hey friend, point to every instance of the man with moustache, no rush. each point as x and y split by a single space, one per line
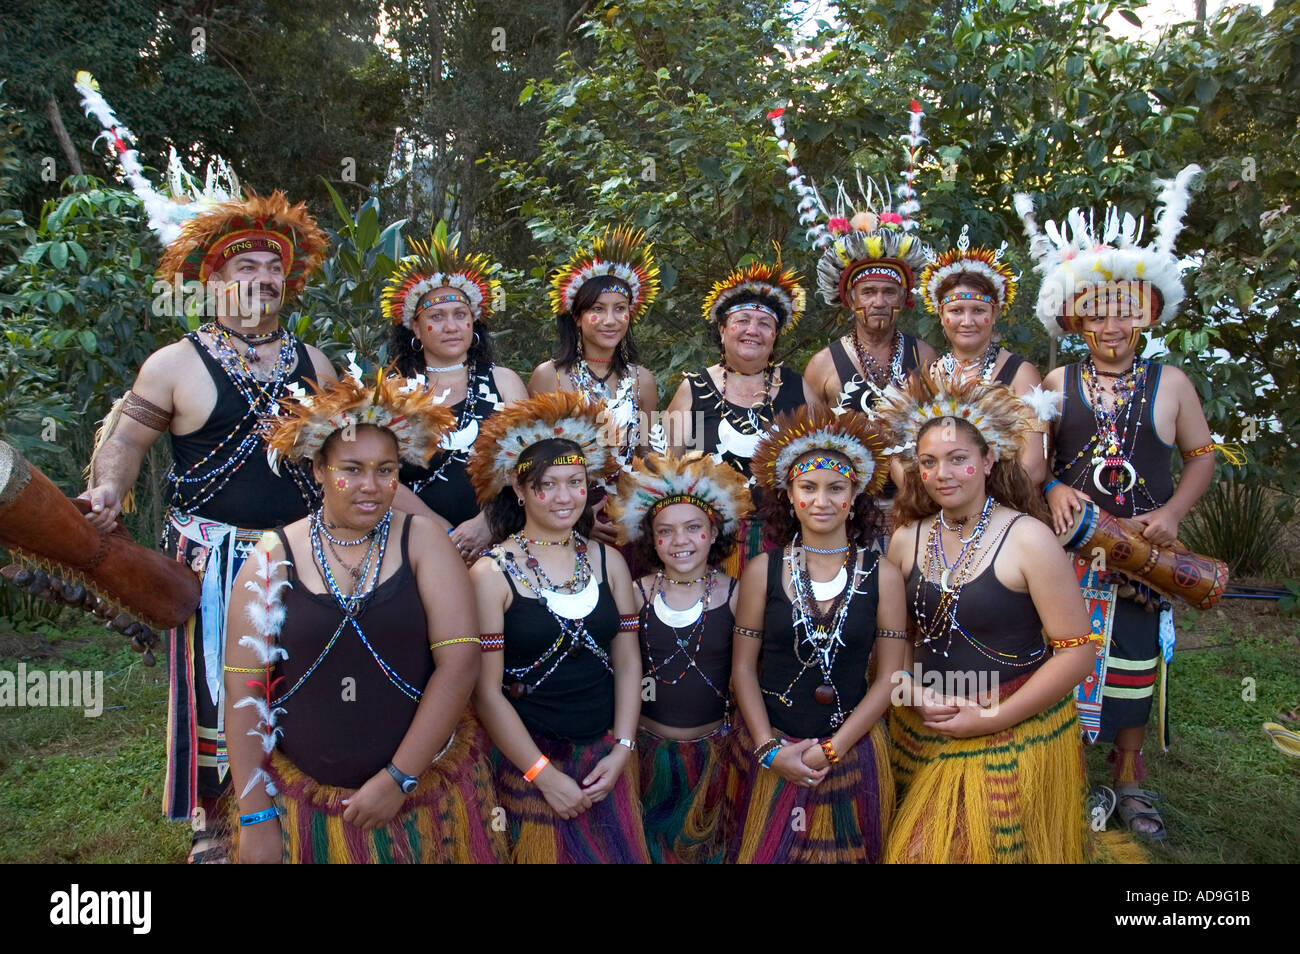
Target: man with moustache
208 391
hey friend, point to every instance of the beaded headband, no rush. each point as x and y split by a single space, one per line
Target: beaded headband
847 433
563 460
875 271
822 463
754 306
968 296
661 480
439 300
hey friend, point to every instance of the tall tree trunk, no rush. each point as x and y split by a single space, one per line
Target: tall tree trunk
61 134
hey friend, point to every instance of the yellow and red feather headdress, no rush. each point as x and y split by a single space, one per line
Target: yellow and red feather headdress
621 253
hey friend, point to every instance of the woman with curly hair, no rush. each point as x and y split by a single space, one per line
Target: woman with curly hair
679 515
813 783
986 748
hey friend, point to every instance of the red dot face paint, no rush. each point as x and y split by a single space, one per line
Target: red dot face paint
541 495
341 484
970 471
803 504
582 492
925 475
703 537
845 505
392 484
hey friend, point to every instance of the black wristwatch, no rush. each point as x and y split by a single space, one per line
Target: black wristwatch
406 783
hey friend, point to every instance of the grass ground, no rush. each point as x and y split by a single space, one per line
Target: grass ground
76 789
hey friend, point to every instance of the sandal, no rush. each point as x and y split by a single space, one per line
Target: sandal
1128 814
1100 807
213 854
1286 740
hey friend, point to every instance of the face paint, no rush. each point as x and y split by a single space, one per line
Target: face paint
341 484
925 475
845 505
970 471
541 495
582 492
803 503
392 484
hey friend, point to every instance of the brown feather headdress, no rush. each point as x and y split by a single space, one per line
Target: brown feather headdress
258 223
403 408
848 434
664 479
562 415
992 409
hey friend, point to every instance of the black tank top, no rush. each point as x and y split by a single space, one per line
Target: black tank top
444 485
1008 372
252 496
682 699
862 399
346 721
1151 459
575 703
706 400
806 718
1003 623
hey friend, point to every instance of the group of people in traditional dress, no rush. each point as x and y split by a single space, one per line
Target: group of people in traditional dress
827 618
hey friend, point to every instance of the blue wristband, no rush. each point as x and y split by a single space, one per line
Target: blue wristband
1050 485
767 760
265 814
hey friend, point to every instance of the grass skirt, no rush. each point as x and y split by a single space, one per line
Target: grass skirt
843 820
681 797
607 833
1015 796
446 820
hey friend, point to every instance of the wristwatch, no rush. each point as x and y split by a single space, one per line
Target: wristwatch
630 743
406 783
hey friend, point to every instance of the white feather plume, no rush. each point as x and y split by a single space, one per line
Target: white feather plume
1045 404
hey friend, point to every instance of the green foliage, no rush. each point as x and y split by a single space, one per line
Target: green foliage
1235 521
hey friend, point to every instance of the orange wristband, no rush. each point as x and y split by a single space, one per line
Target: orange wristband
536 770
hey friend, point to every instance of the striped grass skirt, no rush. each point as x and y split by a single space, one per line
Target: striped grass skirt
844 820
608 833
448 819
682 788
1014 796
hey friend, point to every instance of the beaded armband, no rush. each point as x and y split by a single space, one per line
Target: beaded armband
768 746
746 631
492 642
891 634
629 624
449 642
1200 451
1071 642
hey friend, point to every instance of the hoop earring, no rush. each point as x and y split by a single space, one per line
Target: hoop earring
520 501
416 344
476 339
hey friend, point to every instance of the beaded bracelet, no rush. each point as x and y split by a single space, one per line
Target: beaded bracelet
769 757
746 631
629 623
766 747
536 770
891 634
449 642
266 814
492 642
829 748
259 669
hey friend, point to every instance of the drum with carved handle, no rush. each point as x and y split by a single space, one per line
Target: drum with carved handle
1171 571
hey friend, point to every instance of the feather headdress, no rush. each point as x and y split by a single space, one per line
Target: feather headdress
992 409
258 223
1075 257
166 213
664 479
866 234
849 434
774 282
404 408
439 263
962 259
621 253
561 415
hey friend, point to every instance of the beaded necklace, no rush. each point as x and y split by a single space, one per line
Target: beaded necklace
353 604
573 632
255 341
625 399
1112 447
945 615
759 415
959 372
823 632
872 370
262 398
481 400
683 643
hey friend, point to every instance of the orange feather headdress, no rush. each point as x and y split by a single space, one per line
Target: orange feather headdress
847 433
664 479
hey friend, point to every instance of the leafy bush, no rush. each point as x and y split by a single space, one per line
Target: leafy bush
1236 522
